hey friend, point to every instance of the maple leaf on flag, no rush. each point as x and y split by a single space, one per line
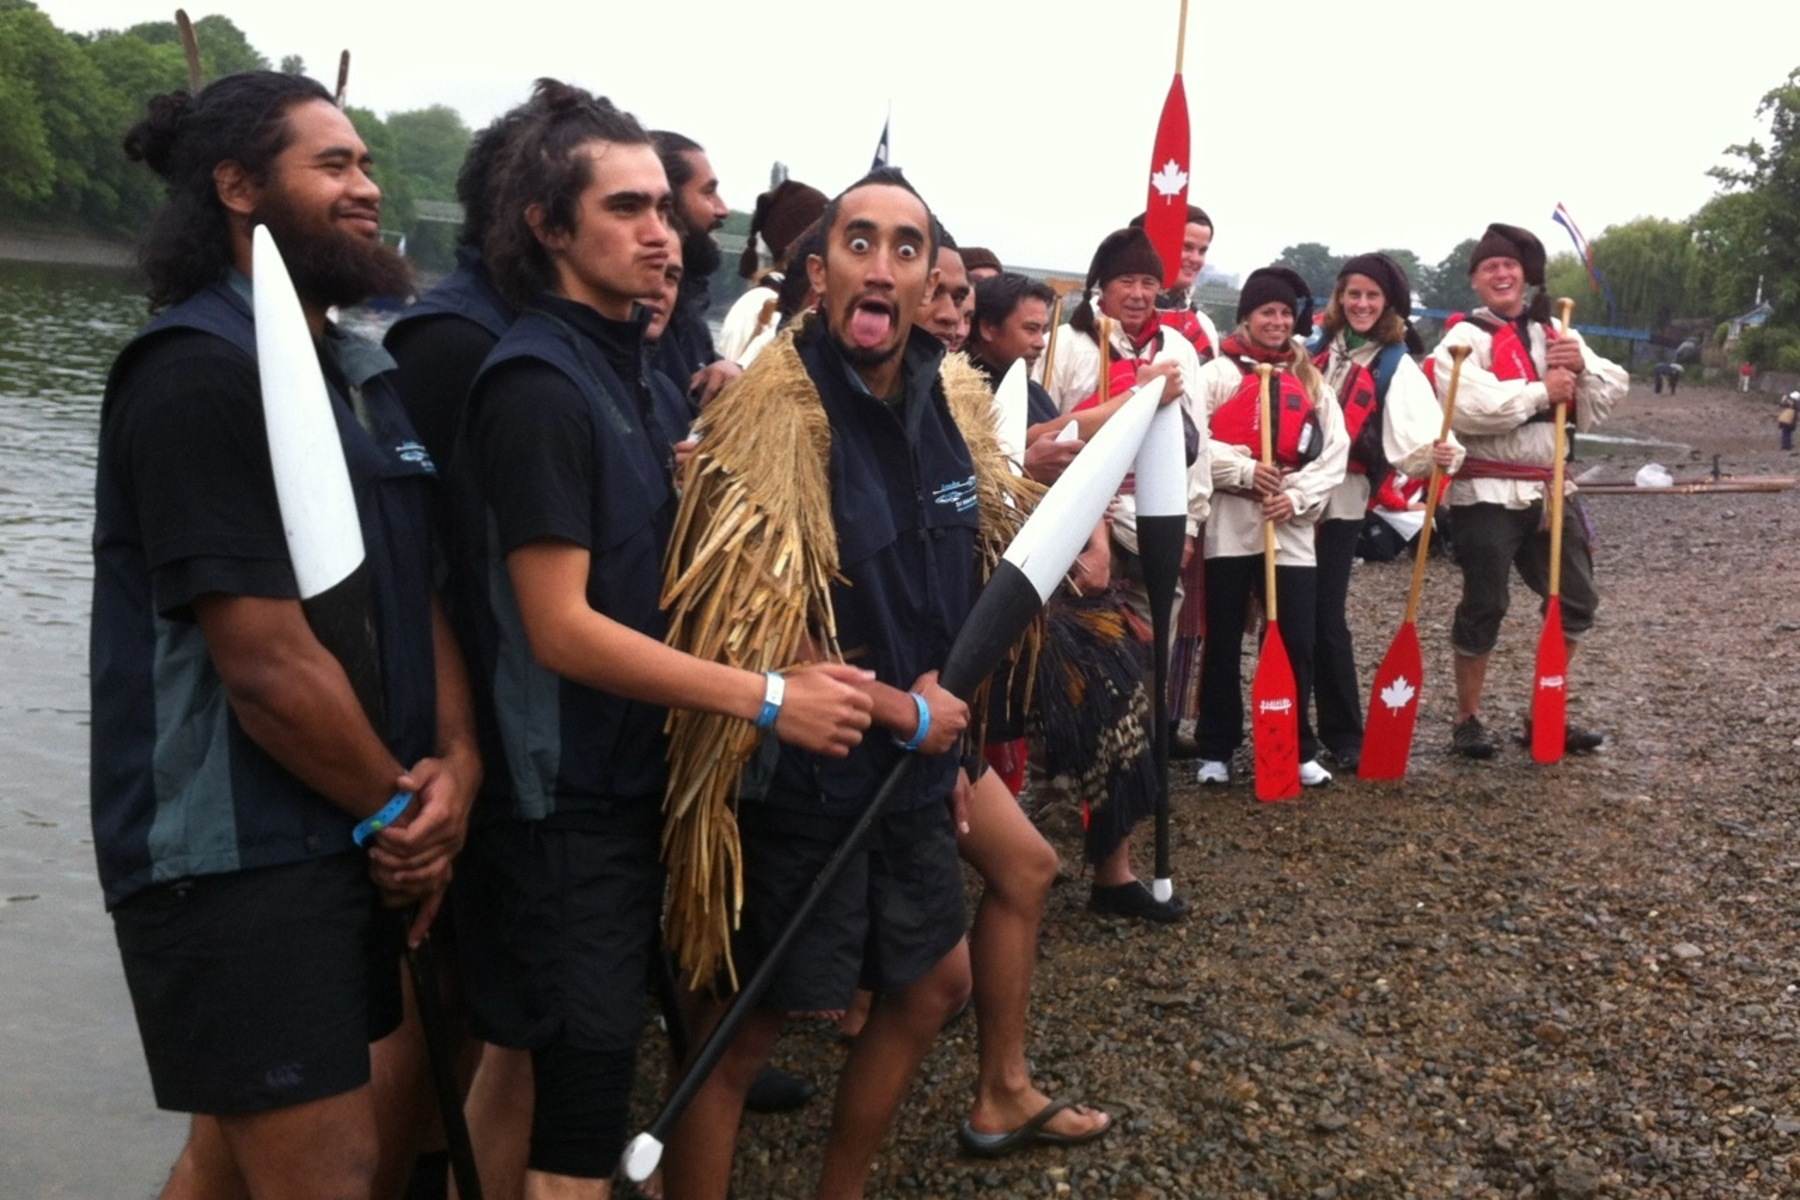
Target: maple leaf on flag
1398 694
1169 179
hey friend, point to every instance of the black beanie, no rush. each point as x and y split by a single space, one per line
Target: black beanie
1124 252
1509 241
1268 285
782 214
1388 274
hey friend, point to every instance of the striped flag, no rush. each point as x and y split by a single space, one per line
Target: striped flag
1585 252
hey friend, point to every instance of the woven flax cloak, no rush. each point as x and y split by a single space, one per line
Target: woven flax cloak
748 583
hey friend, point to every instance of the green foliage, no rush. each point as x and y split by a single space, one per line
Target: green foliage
1771 347
1315 263
1764 181
1447 284
292 64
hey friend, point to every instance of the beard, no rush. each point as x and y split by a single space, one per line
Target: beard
328 265
700 255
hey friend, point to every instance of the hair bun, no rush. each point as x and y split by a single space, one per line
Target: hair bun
152 140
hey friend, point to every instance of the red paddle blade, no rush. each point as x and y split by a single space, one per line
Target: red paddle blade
1550 691
1393 708
1275 722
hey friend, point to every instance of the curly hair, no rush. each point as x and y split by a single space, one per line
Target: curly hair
540 166
240 118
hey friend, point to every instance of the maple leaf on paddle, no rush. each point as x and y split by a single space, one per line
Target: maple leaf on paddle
1398 694
1169 179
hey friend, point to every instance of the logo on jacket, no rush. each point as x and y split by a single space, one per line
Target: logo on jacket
417 455
959 495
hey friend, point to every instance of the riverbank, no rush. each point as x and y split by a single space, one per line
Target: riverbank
1495 981
72 249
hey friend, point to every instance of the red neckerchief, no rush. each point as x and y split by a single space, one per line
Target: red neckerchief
1237 347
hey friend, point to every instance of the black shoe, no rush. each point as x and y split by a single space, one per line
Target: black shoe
1347 759
776 1091
1576 740
1134 900
1471 739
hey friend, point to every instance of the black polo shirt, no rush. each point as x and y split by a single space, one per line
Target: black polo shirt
564 441
903 502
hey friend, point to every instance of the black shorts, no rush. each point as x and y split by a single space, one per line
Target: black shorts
555 923
1490 541
888 920
257 990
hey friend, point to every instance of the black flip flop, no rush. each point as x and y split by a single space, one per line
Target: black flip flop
1031 1133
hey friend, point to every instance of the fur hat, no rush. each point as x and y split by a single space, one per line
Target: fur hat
1509 241
1268 285
1388 274
782 214
1124 252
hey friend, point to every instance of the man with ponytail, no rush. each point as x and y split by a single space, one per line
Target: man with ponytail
1519 368
232 760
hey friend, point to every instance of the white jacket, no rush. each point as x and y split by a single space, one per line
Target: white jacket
1410 420
1076 376
1236 525
1494 415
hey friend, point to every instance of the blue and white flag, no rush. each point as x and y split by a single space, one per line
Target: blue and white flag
1585 253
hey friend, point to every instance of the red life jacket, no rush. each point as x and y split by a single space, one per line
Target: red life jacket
1361 399
1187 323
1297 435
1511 356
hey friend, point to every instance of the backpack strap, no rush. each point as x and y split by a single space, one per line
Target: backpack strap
1386 363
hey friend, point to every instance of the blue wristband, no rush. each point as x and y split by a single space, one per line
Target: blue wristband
375 822
774 692
918 737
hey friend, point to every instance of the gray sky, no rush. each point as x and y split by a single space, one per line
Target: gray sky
1028 127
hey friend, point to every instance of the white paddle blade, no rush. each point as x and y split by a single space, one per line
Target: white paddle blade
1011 414
1161 467
1064 519
312 484
1069 433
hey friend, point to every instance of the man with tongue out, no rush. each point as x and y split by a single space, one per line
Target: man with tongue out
857 409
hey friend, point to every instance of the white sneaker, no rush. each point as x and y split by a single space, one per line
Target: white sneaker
1211 772
1313 775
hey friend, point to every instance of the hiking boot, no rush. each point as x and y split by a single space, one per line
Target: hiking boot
1313 775
1213 773
1576 740
1471 739
1134 900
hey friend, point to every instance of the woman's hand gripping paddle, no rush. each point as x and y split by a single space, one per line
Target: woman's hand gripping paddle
1550 686
1274 698
1399 681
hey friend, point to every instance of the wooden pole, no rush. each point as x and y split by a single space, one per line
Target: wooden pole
1264 370
1103 331
190 49
1457 355
1565 310
1181 38
1050 346
343 80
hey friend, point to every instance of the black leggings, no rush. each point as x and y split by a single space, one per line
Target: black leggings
1230 583
1334 661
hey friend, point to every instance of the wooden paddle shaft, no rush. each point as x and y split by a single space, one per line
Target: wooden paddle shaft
1263 371
1103 331
1432 488
1181 37
343 80
1565 310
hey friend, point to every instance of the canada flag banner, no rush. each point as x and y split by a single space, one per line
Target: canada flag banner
1165 212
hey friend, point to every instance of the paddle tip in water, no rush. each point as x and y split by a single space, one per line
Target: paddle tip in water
642 1157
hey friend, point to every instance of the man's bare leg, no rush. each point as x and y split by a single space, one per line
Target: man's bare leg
697 1165
541 1185
320 1150
499 1110
205 1170
403 1101
900 1031
1471 678
1018 867
1115 868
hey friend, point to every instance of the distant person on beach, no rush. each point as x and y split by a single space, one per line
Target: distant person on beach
1667 372
1784 420
1746 372
255 831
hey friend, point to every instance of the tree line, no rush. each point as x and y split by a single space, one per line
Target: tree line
66 100
1670 277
